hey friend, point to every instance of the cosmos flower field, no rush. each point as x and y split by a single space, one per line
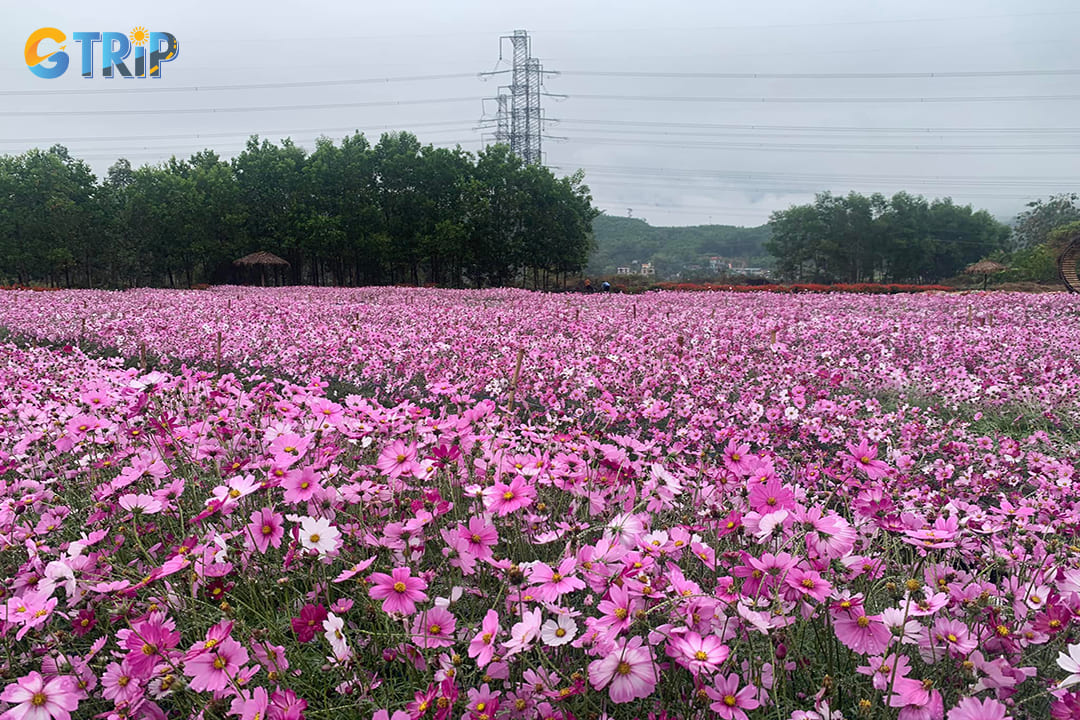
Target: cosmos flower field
399 503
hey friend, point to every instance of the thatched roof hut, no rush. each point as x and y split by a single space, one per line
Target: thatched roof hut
259 262
985 268
261 258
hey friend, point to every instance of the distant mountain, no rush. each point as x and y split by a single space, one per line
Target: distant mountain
685 251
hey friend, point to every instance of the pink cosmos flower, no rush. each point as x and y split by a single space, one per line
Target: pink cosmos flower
121 684
482 646
399 591
266 529
698 654
617 612
35 699
301 487
398 459
503 499
479 537
864 457
550 585
434 628
251 704
629 670
862 633
211 671
731 703
972 709
147 642
809 583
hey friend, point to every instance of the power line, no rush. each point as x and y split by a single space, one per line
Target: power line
267 108
835 148
785 100
142 89
819 76
815 128
460 125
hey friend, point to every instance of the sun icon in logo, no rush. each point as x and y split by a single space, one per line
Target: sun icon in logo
138 35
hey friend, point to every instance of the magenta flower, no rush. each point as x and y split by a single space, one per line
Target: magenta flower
503 499
35 699
972 709
862 633
864 457
629 670
300 487
399 591
434 628
550 585
808 583
266 529
729 702
482 646
310 622
212 670
698 654
397 459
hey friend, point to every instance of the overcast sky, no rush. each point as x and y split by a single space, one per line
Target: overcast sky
688 159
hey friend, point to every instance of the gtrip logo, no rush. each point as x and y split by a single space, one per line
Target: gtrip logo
46 58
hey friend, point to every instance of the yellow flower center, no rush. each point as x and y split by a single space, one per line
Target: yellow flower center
730 700
435 629
266 529
508 495
399 587
219 663
620 613
315 537
624 668
559 632
701 656
863 622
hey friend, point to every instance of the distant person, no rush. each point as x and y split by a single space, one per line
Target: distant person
606 286
588 285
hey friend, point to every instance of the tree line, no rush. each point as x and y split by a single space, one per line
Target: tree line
351 213
902 239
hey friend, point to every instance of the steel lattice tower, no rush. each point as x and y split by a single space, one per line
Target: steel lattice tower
519 119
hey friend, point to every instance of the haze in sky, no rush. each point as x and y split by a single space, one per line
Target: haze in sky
976 100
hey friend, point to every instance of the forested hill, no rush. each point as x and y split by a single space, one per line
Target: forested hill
622 242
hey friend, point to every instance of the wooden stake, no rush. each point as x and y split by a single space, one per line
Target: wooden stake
514 381
577 314
772 337
969 315
635 312
217 351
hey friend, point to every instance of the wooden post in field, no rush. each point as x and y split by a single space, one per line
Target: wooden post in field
772 337
514 381
217 351
577 314
680 340
635 311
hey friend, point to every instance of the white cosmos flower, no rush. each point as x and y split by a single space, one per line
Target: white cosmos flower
1071 664
319 534
556 632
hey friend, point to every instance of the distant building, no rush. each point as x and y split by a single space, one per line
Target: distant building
647 269
623 271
